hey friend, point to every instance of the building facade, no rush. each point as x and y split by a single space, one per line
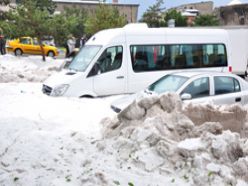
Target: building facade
202 7
192 10
233 14
130 11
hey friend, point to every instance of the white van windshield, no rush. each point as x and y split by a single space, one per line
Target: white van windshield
84 58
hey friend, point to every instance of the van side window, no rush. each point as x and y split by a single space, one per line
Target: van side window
111 59
177 56
214 54
225 85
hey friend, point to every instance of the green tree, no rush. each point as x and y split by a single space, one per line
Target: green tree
48 5
72 21
177 16
105 17
152 16
28 20
77 28
4 2
3 13
34 18
206 20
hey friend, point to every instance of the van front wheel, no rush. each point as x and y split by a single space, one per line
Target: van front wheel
86 96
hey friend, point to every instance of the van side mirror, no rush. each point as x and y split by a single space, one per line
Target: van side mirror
186 96
95 70
67 63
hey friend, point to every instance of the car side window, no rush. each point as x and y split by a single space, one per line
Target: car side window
111 59
35 41
198 88
236 85
25 41
225 85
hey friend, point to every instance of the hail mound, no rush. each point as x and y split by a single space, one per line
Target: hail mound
203 143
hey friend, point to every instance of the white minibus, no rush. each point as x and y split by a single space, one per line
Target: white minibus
128 59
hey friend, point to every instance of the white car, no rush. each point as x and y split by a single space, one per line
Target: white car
195 86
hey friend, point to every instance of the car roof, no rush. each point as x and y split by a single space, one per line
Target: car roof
191 74
25 37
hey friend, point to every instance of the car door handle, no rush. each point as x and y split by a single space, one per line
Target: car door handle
238 99
119 77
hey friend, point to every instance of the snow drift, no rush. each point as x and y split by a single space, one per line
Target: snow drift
159 134
156 141
27 68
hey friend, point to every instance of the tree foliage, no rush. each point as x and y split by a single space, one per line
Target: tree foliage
105 17
36 18
79 16
206 20
177 16
3 13
44 5
72 21
4 2
152 16
28 20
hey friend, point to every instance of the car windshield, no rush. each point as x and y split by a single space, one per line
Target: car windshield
168 83
84 58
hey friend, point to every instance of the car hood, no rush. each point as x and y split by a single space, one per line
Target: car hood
63 77
121 103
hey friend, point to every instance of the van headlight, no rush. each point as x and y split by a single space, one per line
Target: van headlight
60 90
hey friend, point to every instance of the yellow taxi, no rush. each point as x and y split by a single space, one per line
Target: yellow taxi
29 45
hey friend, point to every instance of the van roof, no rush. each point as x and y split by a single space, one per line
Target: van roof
118 35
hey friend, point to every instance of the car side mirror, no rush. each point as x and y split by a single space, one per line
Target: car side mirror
186 96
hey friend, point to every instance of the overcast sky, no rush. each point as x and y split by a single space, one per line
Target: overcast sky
144 4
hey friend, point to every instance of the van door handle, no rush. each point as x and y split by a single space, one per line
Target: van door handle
238 99
119 77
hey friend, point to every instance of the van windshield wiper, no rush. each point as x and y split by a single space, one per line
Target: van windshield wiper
72 69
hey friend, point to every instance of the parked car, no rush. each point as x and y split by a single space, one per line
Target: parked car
195 87
28 45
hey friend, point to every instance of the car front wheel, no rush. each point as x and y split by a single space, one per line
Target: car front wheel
50 54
